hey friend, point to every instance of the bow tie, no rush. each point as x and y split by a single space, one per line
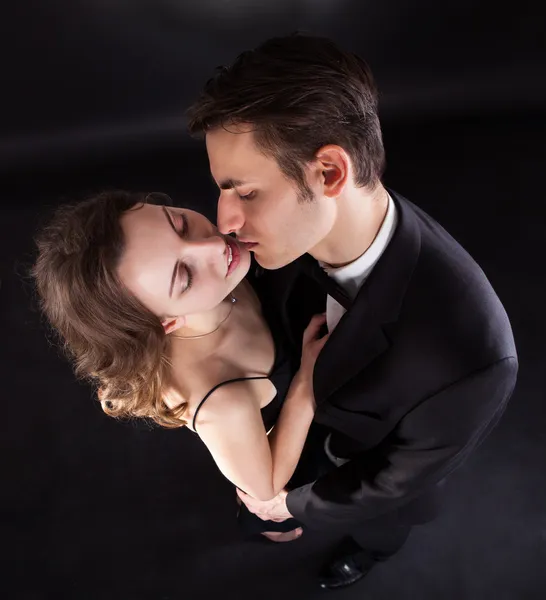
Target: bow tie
311 267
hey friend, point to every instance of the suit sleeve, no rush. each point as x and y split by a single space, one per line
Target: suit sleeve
430 442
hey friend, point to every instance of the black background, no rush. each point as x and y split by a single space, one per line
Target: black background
92 95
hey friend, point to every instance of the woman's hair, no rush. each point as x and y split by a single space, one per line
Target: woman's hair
112 339
300 93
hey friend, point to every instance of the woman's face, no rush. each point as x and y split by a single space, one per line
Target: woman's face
176 262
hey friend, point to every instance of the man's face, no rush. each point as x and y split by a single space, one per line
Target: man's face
260 205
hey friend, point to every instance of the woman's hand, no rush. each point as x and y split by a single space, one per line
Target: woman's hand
311 347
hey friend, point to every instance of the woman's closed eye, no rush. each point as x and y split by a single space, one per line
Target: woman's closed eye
180 223
188 279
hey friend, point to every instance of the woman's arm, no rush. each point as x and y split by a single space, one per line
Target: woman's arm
231 426
288 437
232 429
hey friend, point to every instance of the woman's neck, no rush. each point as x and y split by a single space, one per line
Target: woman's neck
200 325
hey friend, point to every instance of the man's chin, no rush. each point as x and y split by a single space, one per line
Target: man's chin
269 263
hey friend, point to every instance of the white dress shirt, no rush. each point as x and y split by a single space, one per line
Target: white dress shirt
351 277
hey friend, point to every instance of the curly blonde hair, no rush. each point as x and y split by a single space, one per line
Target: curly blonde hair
112 339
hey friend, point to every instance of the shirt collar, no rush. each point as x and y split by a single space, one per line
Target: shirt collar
351 276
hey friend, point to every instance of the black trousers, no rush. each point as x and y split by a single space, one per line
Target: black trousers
377 540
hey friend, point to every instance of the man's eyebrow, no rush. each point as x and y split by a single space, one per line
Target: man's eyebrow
229 184
177 264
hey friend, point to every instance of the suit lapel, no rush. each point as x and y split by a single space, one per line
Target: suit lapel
354 343
359 337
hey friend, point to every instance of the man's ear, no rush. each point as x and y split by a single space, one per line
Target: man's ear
335 166
170 324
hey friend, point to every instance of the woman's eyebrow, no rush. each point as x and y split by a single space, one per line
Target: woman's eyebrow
176 269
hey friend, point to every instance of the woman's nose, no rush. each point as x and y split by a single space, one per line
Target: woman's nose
209 247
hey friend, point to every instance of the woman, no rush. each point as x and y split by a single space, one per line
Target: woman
152 304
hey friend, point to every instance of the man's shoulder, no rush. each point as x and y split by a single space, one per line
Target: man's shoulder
449 298
443 260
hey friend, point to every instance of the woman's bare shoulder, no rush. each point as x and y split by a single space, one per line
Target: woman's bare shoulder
222 387
233 402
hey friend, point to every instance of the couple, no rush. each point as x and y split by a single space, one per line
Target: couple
342 378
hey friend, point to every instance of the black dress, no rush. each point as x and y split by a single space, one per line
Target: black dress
280 376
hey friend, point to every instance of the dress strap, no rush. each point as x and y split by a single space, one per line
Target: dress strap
216 387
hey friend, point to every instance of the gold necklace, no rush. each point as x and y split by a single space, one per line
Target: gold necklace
194 337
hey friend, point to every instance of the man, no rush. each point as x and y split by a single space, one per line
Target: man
421 360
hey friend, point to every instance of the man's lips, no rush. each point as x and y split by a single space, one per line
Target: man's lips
246 244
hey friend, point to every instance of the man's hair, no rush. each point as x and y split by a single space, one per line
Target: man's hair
298 93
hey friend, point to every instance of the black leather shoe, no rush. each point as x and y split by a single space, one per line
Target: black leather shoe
341 573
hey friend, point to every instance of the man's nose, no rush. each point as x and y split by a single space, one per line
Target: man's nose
230 214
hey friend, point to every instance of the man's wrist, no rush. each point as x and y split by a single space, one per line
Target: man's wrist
287 499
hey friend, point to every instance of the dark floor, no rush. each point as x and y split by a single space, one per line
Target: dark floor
97 509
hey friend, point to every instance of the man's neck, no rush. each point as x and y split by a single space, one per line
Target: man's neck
360 214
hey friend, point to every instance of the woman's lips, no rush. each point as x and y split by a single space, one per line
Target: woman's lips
235 256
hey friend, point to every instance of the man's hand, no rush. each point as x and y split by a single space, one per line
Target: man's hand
268 510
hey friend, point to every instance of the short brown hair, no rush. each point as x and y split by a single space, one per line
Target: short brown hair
300 93
112 339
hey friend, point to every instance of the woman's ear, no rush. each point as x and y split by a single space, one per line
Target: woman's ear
170 324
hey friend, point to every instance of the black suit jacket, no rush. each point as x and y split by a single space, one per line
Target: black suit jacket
414 376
